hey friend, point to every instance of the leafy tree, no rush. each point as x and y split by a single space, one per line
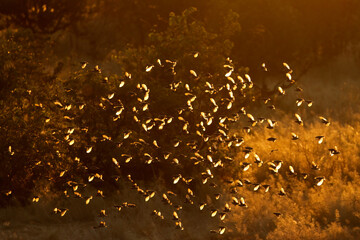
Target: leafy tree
46 16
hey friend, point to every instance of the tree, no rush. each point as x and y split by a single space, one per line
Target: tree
46 16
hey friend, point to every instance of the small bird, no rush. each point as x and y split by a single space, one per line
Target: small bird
83 64
304 175
314 166
235 201
271 124
282 192
281 90
264 67
149 68
192 72
256 187
176 179
286 66
266 187
277 214
175 216
129 205
102 224
35 199
292 171
97 69
294 136
221 230
213 212
309 102
89 149
245 166
320 139
299 120
102 213
319 180
158 214
227 208
217 196
238 183
299 101
247 181
272 107
324 121
118 207
257 160
100 193
242 202
334 151
115 162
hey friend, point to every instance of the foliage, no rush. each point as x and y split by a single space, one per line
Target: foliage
46 16
303 33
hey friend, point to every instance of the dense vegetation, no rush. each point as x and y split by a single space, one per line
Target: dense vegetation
182 119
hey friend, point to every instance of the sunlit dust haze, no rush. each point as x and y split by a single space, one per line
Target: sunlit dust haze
179 119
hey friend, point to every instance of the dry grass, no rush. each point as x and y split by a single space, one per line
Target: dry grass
330 211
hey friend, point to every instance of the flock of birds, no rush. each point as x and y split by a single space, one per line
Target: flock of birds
193 141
